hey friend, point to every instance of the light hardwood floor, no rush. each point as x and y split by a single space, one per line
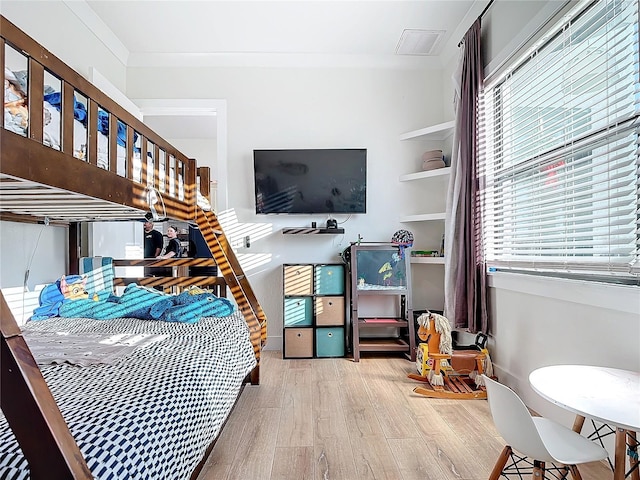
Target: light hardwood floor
331 419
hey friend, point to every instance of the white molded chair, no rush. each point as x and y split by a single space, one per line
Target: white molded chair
539 439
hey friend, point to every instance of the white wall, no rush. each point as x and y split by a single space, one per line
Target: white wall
63 34
203 150
306 108
117 239
41 249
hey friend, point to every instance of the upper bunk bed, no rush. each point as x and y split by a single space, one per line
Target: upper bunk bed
69 154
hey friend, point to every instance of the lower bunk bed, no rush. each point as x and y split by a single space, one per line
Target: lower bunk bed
150 411
143 399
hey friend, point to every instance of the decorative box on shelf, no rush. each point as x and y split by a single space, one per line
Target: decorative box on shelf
425 253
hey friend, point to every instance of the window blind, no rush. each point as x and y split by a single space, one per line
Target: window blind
558 142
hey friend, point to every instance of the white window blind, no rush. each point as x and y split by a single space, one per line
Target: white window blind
559 148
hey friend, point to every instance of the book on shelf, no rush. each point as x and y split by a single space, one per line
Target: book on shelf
425 253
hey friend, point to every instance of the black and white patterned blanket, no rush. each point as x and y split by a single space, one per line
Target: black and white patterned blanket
151 414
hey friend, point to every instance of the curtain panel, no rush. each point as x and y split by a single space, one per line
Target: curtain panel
465 270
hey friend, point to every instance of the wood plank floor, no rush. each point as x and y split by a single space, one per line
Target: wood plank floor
332 419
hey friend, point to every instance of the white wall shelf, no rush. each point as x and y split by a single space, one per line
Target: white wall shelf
435 132
429 188
438 172
431 260
423 217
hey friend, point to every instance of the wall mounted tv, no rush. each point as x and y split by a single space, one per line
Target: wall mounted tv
311 181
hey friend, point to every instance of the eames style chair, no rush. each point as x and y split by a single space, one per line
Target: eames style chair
539 440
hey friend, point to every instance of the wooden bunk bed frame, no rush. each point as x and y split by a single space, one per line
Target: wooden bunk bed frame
40 184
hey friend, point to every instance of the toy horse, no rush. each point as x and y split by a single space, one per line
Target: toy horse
449 371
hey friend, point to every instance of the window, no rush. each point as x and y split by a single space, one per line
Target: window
559 149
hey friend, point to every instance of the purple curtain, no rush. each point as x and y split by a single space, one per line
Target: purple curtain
465 277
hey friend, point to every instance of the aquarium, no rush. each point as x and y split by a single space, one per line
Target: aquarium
380 268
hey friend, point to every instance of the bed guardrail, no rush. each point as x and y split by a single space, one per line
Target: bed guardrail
53 106
181 276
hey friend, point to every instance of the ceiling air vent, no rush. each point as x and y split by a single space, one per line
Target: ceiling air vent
419 42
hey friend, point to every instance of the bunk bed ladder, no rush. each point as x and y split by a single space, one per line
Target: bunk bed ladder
233 274
30 407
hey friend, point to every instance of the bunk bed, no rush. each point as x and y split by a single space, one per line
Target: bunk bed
150 409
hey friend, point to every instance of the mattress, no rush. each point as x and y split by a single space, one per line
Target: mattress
150 414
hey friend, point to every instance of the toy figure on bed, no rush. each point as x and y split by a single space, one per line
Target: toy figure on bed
54 295
16 108
151 304
450 371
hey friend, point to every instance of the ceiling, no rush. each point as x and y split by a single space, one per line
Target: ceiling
264 32
294 33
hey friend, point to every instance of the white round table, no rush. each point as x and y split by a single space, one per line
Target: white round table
607 395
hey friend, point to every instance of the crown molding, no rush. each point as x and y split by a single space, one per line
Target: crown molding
282 60
94 23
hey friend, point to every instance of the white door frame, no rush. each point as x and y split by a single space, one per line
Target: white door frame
198 107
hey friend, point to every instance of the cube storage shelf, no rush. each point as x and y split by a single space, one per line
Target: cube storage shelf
314 310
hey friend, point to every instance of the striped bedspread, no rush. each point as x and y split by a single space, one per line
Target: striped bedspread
151 414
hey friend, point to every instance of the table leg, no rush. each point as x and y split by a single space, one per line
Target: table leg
578 423
620 454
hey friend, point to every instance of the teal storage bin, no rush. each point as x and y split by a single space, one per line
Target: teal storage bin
329 279
330 342
298 311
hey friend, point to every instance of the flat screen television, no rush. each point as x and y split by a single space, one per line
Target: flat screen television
311 181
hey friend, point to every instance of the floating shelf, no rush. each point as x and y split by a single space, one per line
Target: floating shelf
432 260
312 231
424 217
438 172
435 132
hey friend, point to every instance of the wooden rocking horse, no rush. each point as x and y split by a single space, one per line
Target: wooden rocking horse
449 371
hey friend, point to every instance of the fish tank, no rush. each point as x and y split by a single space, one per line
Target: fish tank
379 267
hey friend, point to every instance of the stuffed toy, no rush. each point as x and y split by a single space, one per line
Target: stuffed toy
150 304
135 302
189 307
15 100
54 295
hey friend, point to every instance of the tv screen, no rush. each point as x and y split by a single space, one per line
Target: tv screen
311 181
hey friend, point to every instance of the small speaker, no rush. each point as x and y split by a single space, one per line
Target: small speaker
332 223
